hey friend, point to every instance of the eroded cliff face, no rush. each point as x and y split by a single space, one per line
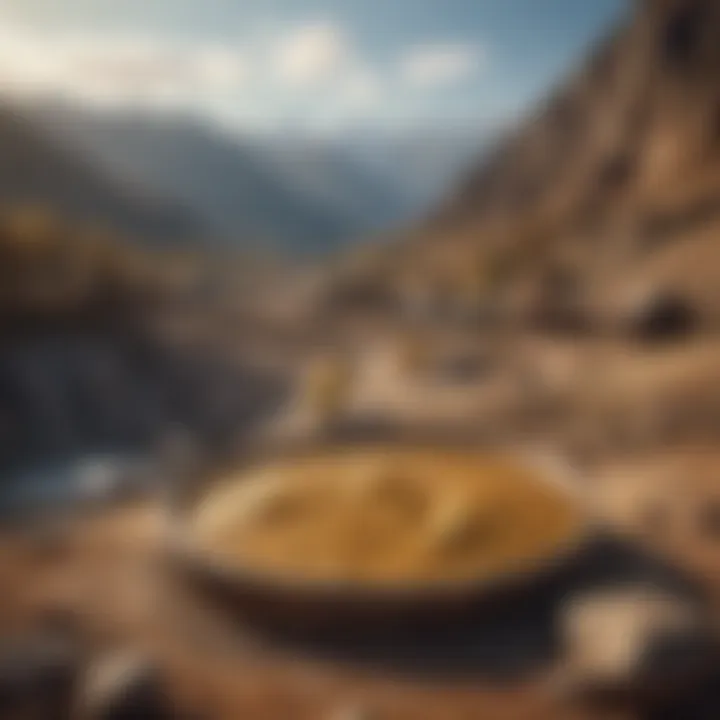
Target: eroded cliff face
642 109
620 166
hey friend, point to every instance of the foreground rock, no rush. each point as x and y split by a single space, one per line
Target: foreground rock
38 677
122 686
635 644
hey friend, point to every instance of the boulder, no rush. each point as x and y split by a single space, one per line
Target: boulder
38 677
662 316
122 686
637 643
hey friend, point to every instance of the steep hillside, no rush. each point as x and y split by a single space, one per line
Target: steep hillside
620 167
36 170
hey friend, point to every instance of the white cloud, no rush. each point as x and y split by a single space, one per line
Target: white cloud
123 69
310 74
434 65
222 68
319 65
362 90
313 54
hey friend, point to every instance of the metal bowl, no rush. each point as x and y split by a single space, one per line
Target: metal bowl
291 603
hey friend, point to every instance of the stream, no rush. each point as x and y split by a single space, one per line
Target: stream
81 417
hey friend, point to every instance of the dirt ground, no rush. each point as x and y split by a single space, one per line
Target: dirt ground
639 425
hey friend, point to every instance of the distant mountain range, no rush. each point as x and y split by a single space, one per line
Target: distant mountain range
35 169
427 163
298 195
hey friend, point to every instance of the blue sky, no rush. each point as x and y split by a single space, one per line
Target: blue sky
321 64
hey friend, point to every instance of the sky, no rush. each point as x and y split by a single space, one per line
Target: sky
318 65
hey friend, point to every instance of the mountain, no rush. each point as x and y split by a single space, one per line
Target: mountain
297 194
305 193
35 169
426 162
613 184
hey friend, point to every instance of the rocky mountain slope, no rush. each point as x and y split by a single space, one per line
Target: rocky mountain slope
611 188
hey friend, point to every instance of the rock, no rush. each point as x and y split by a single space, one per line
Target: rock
49 541
464 367
661 317
634 642
354 712
37 677
62 621
708 520
636 503
328 384
656 517
122 686
702 704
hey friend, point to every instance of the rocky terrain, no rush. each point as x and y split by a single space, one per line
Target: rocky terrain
94 351
606 194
